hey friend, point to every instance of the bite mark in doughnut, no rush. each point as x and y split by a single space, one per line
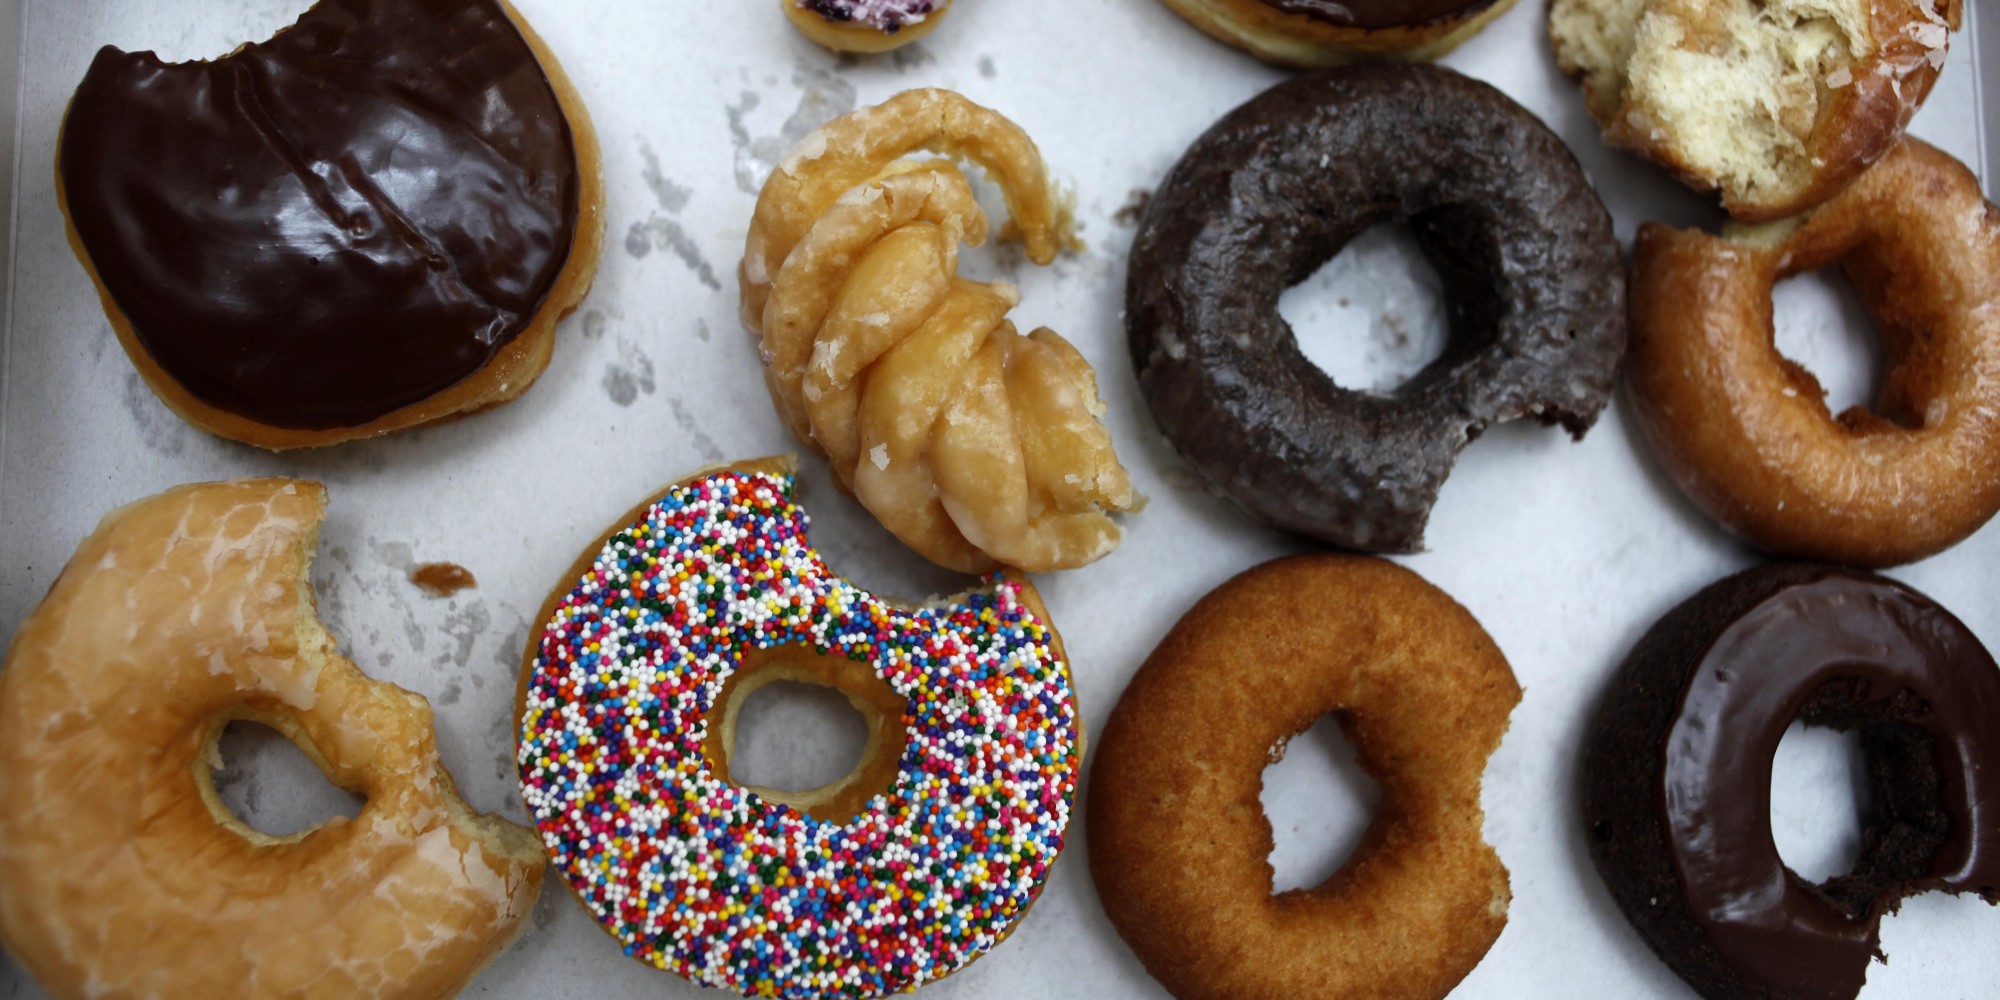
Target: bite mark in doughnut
974 445
1276 189
900 874
122 873
1179 842
1776 104
1677 775
369 222
865 26
1746 433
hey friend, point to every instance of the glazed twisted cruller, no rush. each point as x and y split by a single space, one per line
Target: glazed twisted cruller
975 445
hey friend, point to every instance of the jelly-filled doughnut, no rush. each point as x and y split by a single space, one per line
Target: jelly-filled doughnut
1746 433
371 221
123 873
865 25
974 444
1317 33
913 865
1178 837
1535 287
1677 775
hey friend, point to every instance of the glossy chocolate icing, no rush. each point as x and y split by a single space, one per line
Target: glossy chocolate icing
1377 14
318 230
1678 775
1535 285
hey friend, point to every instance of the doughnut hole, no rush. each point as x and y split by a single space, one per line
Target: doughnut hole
1320 804
1819 794
1896 800
1374 316
270 785
779 749
796 737
1822 328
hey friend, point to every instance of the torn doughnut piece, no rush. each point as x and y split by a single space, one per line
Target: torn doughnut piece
1777 104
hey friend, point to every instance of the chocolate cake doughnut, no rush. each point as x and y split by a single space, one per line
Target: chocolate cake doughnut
370 222
1276 189
1677 774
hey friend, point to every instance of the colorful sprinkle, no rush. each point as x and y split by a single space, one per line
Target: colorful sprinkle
712 882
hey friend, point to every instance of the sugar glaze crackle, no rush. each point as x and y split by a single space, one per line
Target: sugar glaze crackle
715 882
972 443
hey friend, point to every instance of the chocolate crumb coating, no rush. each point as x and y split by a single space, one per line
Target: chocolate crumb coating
1676 775
318 230
1534 278
888 16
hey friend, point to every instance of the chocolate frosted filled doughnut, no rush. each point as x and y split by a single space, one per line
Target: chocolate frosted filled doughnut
369 222
1317 33
1677 775
1534 280
865 25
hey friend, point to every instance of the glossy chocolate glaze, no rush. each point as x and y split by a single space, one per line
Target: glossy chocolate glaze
318 230
1375 14
1534 278
1678 775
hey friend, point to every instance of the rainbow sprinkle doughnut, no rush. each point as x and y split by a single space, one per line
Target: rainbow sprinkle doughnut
721 884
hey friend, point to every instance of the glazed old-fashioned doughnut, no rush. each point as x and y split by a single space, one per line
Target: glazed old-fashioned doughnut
918 862
1310 34
975 445
1677 775
865 25
371 221
1178 837
1777 105
1277 188
1746 433
123 874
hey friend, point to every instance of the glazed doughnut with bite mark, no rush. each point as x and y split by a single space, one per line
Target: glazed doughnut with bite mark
123 874
1179 840
370 222
1746 433
921 860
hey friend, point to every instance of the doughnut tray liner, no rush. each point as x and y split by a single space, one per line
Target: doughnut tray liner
1565 552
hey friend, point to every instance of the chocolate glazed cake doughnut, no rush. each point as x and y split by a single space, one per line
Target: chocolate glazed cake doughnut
370 222
1677 775
1534 277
